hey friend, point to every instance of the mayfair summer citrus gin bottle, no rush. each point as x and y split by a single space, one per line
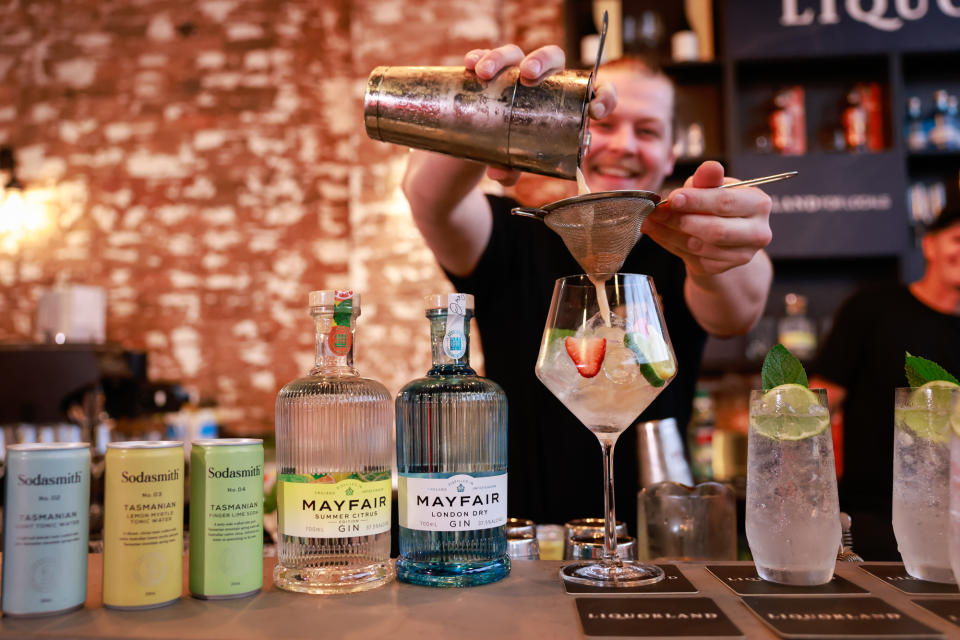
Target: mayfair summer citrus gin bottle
334 449
452 462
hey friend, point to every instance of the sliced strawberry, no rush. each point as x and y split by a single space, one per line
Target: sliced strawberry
587 354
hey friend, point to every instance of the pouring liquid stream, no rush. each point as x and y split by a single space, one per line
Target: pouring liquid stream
598 283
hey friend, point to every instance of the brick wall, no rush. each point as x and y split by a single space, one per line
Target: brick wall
205 162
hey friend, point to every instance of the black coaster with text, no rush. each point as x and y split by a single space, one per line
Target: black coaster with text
744 581
673 582
949 610
655 617
896 575
856 617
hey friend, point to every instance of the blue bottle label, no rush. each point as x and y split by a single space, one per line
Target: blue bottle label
460 502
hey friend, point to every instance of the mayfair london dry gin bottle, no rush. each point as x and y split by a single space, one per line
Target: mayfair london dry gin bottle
334 449
452 462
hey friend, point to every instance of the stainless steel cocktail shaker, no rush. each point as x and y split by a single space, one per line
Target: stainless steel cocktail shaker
541 129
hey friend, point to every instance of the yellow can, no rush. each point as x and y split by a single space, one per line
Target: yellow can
143 525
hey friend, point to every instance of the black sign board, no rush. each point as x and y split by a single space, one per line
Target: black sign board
858 617
949 610
655 617
744 581
897 576
829 27
673 582
838 205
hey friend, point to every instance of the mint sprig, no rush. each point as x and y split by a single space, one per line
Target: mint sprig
781 367
921 371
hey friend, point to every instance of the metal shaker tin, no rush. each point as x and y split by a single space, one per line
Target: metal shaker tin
226 518
45 528
541 129
143 524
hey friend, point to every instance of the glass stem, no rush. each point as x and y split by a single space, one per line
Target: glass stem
610 517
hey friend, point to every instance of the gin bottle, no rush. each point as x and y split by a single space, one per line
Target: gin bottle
334 446
452 462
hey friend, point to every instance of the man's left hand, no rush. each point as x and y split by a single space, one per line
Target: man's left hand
712 230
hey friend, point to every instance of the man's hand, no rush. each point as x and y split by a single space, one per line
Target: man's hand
712 230
534 67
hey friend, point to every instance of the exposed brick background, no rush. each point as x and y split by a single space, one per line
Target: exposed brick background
205 162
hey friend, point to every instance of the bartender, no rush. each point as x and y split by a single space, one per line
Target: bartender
704 251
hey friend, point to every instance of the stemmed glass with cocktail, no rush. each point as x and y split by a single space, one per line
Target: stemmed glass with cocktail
606 355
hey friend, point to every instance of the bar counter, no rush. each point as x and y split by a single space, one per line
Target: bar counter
530 603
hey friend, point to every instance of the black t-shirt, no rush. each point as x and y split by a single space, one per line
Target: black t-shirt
864 354
555 471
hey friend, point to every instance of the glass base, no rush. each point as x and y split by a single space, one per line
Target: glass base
627 573
452 574
930 572
796 577
335 579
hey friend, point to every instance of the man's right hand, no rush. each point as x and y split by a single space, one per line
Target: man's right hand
534 67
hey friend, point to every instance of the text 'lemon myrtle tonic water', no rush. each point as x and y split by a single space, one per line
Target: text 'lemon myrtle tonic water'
452 462
334 446
45 528
143 524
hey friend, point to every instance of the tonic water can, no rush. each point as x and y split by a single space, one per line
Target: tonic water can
45 528
226 518
143 524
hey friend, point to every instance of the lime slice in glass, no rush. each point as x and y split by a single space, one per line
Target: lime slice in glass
790 412
928 408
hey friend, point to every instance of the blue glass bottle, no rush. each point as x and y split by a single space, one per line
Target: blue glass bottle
452 462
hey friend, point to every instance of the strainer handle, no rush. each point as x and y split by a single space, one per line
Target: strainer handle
529 212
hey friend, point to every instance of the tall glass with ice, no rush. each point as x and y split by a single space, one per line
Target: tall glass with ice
921 479
793 515
955 488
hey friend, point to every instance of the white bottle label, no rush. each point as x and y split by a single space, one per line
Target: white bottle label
458 503
454 341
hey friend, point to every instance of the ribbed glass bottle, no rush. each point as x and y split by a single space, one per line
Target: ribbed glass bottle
452 462
334 446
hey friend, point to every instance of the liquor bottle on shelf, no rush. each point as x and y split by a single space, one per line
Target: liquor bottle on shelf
855 122
452 462
796 331
945 132
334 454
916 132
683 43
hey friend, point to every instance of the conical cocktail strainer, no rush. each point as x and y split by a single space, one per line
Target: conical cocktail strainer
599 229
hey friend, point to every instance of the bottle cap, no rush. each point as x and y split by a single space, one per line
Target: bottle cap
439 301
329 297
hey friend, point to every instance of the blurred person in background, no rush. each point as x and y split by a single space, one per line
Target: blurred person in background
704 251
862 361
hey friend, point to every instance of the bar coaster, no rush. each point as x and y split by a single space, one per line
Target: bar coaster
744 581
855 617
896 575
655 617
949 610
673 582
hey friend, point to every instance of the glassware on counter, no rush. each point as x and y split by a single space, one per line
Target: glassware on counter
792 510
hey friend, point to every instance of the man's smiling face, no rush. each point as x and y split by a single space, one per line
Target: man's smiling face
632 148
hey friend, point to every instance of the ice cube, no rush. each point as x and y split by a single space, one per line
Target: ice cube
620 366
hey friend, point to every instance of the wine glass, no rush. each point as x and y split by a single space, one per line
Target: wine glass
606 355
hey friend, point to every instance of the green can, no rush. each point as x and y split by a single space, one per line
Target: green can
226 518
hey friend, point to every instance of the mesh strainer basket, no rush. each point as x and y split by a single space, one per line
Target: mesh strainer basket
598 228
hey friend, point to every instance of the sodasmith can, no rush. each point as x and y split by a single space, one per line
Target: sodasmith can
226 518
45 528
143 525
